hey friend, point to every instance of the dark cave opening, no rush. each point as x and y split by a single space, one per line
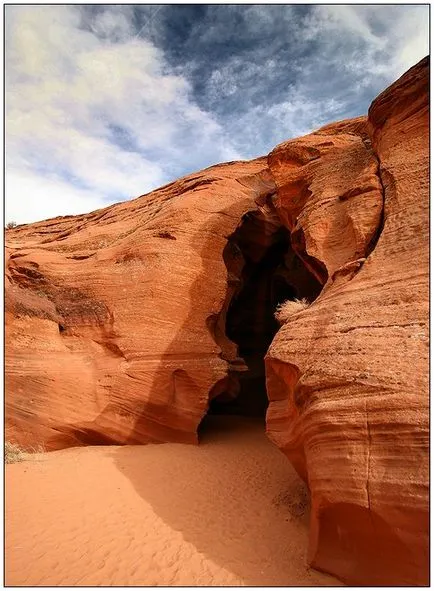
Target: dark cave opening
263 271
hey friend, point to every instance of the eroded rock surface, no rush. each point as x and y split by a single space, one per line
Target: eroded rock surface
348 376
126 324
111 316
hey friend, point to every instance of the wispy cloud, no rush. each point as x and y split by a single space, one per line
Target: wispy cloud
108 102
309 68
105 116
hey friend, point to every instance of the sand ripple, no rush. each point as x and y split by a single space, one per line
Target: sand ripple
229 512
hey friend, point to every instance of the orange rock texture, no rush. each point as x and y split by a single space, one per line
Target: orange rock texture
111 317
347 377
121 328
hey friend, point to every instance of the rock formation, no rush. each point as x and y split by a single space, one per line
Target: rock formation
127 324
348 377
114 324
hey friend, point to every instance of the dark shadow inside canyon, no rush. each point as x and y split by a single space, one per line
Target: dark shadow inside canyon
263 269
263 272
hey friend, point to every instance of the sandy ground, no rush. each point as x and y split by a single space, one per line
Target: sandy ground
229 512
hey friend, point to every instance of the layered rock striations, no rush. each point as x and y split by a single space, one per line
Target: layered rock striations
347 378
126 325
111 316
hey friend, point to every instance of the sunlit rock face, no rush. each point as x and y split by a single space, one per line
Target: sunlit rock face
347 378
111 317
130 324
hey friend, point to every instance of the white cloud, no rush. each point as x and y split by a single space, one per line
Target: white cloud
298 115
325 65
393 37
103 115
412 35
96 112
346 19
33 197
115 25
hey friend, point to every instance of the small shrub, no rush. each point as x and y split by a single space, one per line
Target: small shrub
10 225
286 309
13 453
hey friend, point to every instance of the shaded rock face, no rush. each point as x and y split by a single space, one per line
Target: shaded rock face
129 324
348 377
263 271
110 316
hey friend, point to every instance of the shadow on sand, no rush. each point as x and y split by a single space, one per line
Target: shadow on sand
235 498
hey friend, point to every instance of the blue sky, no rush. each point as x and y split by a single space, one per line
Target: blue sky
105 102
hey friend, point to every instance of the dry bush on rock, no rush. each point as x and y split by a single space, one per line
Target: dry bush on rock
13 453
286 309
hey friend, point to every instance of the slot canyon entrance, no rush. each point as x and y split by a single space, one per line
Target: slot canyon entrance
263 272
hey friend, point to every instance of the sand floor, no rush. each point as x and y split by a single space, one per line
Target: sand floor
229 512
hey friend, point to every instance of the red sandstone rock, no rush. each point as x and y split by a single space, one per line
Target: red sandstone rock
348 377
116 324
110 316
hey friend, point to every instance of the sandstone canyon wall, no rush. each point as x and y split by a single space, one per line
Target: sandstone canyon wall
111 317
348 377
121 325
